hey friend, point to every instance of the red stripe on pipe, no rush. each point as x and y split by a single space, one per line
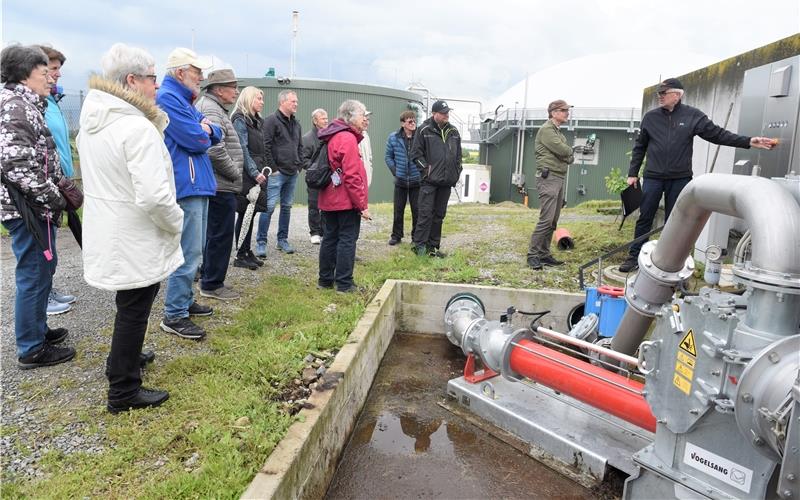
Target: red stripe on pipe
554 369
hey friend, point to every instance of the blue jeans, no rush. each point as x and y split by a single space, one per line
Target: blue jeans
219 238
34 276
337 253
179 285
652 189
279 185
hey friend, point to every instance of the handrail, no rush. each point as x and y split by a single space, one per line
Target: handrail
616 250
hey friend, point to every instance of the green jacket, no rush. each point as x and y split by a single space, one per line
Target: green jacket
552 150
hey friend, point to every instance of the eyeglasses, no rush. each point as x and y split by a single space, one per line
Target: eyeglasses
563 110
410 120
152 78
662 93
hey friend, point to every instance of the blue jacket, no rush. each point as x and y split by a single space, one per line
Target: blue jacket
187 142
58 127
399 161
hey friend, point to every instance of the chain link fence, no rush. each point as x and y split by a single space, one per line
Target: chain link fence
70 106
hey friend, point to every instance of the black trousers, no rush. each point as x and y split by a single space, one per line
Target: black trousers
652 190
337 253
401 195
219 238
314 219
130 324
432 203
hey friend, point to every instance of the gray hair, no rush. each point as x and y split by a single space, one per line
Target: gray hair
173 72
316 113
679 92
284 95
122 60
350 110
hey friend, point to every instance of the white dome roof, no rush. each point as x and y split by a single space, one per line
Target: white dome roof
613 79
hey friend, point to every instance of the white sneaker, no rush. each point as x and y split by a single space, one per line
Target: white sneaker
316 239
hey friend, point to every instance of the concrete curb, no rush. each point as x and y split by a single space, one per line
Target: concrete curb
304 462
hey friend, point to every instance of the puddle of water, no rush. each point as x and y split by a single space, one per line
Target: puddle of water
407 446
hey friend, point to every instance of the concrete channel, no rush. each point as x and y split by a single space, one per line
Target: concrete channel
380 425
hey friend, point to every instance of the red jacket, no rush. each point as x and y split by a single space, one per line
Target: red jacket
343 154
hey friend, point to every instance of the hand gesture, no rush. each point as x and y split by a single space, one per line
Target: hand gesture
632 181
763 142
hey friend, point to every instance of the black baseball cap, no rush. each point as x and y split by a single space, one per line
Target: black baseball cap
440 107
670 83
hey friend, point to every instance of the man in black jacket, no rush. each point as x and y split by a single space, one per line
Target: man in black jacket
283 153
667 135
311 142
437 154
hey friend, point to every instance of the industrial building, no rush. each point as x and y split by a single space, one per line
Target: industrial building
385 103
507 144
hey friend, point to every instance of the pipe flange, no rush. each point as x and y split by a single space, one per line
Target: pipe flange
462 307
762 278
649 289
511 341
764 385
671 278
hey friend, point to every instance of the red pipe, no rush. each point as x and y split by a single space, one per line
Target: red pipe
605 390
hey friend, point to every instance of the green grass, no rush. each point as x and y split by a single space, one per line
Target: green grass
256 350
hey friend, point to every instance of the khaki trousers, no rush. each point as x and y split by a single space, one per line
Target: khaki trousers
551 198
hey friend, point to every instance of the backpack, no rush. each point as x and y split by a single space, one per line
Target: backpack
318 175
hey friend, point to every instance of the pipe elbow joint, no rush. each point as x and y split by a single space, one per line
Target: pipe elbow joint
651 287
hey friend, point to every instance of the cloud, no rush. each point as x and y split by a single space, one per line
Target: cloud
457 49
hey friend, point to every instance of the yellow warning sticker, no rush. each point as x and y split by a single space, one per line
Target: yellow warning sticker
687 344
686 359
684 370
682 384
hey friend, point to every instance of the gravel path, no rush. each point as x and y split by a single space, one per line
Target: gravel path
33 401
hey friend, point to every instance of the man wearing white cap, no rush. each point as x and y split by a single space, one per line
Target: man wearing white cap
188 137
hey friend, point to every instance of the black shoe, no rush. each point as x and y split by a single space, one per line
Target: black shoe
55 335
183 328
324 286
435 252
245 263
534 263
200 310
144 398
146 357
630 264
349 289
48 355
255 260
551 261
394 241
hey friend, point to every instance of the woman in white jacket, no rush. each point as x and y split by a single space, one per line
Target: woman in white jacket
132 223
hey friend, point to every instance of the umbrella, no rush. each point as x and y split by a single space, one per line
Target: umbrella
631 199
74 223
29 218
252 197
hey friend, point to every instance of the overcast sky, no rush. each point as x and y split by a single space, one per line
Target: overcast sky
471 50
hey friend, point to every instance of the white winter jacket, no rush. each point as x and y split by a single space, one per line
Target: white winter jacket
131 221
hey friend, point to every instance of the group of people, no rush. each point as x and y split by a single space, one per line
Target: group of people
173 174
666 139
